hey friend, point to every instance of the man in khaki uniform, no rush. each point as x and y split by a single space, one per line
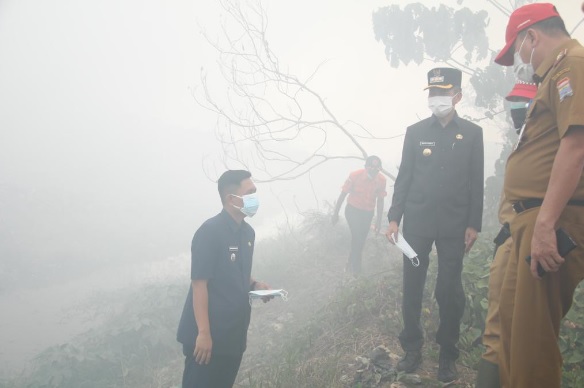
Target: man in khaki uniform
544 183
488 371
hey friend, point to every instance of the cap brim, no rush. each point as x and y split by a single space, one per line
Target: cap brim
439 87
517 96
505 57
521 92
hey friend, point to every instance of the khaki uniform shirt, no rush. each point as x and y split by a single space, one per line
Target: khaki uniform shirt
506 212
558 105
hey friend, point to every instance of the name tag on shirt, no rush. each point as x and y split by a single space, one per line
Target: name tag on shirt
427 144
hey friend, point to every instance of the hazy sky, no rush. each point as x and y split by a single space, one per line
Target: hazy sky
102 143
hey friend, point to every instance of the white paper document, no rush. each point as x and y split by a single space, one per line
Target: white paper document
407 250
261 293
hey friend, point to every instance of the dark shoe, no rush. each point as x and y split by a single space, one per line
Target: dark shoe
410 362
447 370
487 375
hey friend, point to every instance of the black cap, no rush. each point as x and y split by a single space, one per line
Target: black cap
444 78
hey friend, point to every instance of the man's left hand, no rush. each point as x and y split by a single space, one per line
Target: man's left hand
470 236
263 286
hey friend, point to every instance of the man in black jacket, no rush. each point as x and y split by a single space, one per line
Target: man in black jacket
439 194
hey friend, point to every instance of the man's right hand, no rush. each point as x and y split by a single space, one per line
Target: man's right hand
203 346
335 218
392 232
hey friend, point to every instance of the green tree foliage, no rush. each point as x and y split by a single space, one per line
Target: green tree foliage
455 37
417 32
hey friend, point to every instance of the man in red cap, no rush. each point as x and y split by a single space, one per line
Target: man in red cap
488 371
519 99
545 185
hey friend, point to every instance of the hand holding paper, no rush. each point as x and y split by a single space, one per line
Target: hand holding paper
257 294
407 250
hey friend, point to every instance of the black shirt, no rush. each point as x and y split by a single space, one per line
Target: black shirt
221 252
439 186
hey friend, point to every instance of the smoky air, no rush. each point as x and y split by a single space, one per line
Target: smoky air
118 118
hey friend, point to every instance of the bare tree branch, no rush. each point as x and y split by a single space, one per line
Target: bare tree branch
267 117
500 7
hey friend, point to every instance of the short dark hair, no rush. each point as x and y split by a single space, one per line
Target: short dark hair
372 159
553 26
229 181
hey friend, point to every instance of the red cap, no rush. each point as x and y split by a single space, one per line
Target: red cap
519 20
522 89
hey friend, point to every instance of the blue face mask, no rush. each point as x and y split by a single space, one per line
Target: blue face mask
251 203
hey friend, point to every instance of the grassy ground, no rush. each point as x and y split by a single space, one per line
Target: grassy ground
322 336
313 340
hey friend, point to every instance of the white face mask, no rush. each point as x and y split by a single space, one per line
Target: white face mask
251 203
523 71
441 106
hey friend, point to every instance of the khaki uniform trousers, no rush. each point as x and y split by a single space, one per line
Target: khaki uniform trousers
496 275
531 309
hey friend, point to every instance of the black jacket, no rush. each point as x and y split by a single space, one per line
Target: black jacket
222 253
439 186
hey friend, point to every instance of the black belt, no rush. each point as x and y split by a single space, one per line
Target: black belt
521 206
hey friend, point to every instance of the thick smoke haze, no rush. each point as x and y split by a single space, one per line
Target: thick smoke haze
107 162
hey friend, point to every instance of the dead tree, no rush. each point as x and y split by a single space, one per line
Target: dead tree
268 119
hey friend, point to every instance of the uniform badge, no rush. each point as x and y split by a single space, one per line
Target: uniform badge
233 251
427 143
564 88
560 57
436 77
427 152
459 137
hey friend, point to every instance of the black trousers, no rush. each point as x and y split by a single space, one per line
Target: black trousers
219 373
449 293
359 223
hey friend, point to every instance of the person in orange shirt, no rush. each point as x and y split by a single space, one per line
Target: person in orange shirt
364 187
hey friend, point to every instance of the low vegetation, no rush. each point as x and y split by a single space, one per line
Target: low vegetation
322 336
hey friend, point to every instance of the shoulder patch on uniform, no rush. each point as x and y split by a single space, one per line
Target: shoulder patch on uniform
564 88
560 57
559 73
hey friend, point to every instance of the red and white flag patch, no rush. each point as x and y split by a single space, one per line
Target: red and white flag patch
564 88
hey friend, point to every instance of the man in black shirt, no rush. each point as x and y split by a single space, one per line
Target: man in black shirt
439 193
215 318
